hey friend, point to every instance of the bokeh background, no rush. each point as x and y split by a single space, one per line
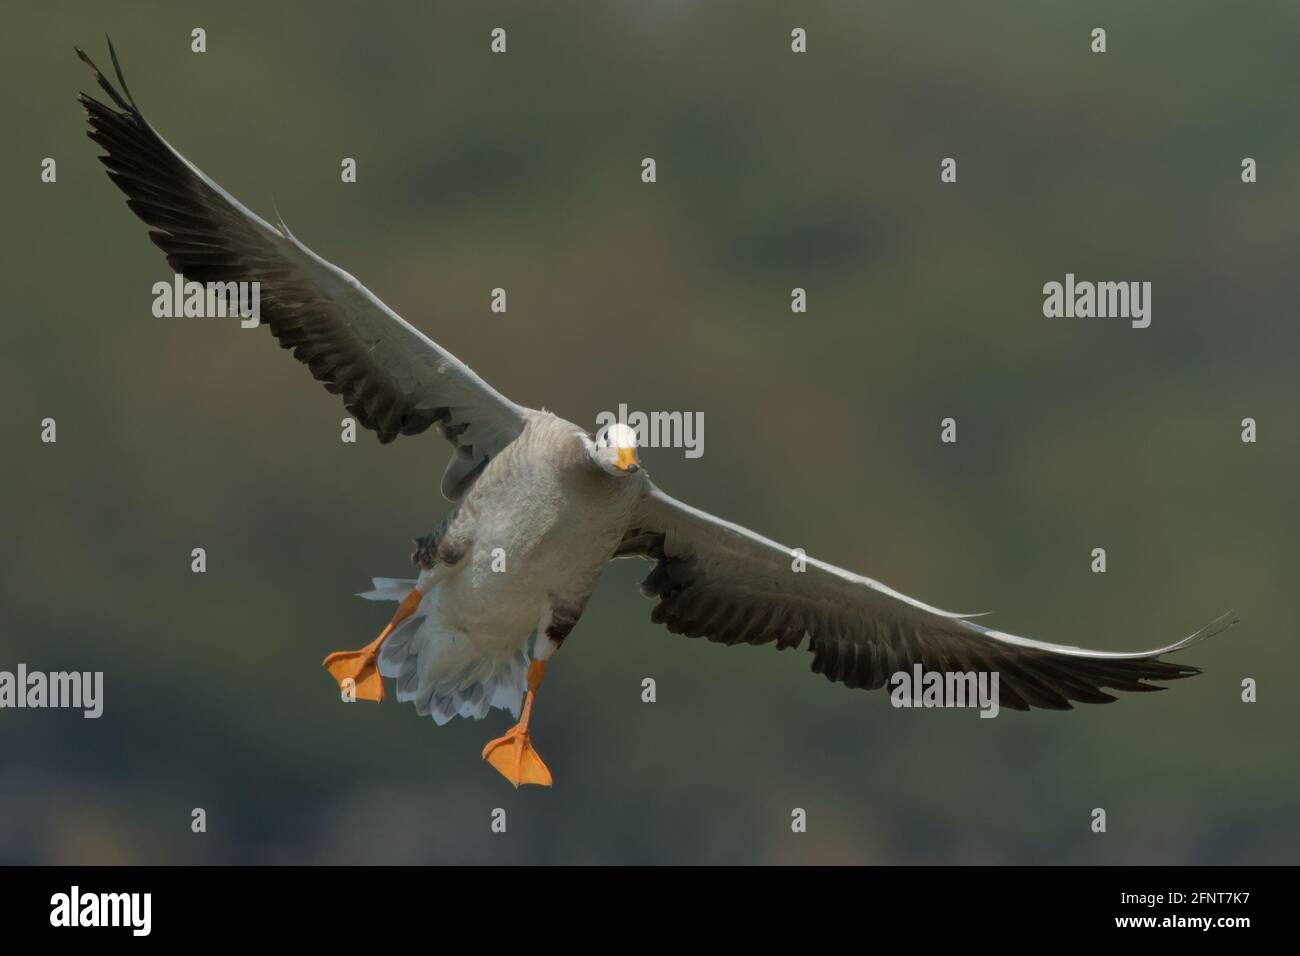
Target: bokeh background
775 171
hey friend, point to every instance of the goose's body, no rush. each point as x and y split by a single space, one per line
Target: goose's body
508 573
540 506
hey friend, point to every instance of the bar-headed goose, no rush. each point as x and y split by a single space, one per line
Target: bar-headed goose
540 505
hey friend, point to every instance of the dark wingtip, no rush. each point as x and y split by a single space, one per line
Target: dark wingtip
128 103
117 68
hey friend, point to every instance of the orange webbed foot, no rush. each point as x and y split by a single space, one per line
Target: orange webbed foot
515 759
362 668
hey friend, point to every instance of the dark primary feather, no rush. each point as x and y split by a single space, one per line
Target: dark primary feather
719 581
393 379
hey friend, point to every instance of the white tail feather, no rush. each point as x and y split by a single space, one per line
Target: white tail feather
439 669
388 589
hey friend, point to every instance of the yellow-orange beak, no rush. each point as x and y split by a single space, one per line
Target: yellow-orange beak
627 460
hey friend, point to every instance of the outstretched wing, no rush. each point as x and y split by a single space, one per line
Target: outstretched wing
393 379
718 580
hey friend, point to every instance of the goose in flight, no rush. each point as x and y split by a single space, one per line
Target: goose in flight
552 499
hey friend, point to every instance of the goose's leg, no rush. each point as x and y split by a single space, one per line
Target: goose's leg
362 666
513 755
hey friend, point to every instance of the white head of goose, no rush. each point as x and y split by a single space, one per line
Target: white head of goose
614 449
504 578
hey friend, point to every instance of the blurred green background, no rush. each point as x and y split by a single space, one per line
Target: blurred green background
775 171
